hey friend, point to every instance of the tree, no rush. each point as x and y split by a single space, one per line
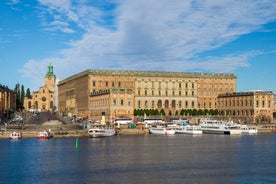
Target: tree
28 93
22 95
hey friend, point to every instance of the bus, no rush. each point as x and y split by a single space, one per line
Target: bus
150 121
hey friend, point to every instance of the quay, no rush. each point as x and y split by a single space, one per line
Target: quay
78 131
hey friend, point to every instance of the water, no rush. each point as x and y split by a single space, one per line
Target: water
205 159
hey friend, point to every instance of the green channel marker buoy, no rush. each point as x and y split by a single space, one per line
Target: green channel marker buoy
77 143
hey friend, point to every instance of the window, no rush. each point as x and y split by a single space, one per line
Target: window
122 102
166 103
146 92
113 84
159 104
114 102
152 104
106 83
93 83
119 84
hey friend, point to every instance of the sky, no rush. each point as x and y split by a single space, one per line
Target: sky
210 36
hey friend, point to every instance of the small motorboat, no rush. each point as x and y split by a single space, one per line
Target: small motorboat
15 136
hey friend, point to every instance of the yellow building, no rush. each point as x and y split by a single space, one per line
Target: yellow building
170 91
248 107
7 102
43 99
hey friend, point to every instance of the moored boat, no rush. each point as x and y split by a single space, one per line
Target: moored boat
190 129
101 130
44 135
248 130
184 127
161 130
219 127
15 136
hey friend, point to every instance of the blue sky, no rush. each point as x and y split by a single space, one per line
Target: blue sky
210 36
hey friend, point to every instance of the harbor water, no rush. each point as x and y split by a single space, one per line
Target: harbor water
140 159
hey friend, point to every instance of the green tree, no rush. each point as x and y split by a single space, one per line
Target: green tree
22 95
28 93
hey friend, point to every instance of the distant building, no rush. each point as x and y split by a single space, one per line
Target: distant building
43 99
248 107
117 93
7 102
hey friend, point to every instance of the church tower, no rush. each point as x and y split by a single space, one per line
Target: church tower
50 78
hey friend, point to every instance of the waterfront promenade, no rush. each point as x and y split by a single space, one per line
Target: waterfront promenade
35 123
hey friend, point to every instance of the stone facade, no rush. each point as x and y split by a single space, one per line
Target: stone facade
7 102
248 107
110 104
171 91
43 99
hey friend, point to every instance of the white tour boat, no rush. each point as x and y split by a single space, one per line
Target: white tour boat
183 127
15 136
248 130
162 130
101 130
219 127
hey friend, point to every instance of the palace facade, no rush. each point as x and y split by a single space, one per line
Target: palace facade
255 106
7 102
44 98
116 93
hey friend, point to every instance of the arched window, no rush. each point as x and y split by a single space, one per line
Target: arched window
159 104
166 103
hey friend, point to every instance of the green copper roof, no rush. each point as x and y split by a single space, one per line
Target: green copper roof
50 72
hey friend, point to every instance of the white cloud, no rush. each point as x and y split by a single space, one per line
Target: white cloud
168 34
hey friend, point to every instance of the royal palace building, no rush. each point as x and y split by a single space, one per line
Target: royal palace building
44 98
117 93
254 106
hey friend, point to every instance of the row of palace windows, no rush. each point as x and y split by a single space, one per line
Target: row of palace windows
116 102
216 85
166 93
246 103
112 84
153 84
187 104
166 104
